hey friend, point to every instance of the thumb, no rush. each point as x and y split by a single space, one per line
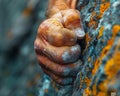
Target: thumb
73 22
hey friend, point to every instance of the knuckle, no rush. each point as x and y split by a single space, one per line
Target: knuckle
71 55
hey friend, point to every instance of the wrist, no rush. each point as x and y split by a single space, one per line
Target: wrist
55 6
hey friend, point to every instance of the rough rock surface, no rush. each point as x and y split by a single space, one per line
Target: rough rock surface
19 71
100 72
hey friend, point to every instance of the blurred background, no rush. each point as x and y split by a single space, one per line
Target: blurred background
20 74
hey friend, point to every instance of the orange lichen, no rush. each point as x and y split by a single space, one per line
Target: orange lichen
105 50
111 68
115 29
104 7
102 94
110 42
87 91
104 86
101 31
88 38
96 66
98 61
93 23
93 92
113 65
87 81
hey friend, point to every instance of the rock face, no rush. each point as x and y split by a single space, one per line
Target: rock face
19 71
100 72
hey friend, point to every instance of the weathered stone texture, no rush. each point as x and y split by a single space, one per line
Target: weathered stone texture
99 75
100 72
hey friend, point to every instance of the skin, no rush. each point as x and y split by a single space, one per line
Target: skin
56 41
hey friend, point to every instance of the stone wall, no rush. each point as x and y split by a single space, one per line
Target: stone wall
100 72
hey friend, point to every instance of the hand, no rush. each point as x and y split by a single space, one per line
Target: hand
56 46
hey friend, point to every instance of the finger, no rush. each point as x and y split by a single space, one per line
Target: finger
59 69
58 79
72 3
58 54
53 31
72 21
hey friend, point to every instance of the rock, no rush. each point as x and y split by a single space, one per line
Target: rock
101 71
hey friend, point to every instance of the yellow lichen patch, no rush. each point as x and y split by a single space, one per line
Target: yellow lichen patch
113 65
105 50
101 31
87 81
94 91
87 91
93 23
96 66
115 29
110 67
88 38
110 42
103 86
101 94
104 7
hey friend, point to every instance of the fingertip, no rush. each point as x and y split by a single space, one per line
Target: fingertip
80 33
